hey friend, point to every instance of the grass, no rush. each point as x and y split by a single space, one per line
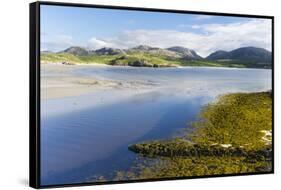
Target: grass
148 60
237 119
59 57
85 59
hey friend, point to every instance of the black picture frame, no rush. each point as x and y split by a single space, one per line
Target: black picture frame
34 90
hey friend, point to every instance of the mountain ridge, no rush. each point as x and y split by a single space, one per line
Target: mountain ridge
219 54
148 56
173 52
249 53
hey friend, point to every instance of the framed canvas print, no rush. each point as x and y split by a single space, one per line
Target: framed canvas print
122 94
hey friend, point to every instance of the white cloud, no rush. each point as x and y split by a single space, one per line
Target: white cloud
195 26
230 36
56 43
206 39
95 43
256 32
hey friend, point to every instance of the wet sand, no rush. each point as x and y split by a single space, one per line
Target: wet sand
58 81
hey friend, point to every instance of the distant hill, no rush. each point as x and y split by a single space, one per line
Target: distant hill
108 51
153 51
251 55
80 51
144 48
75 50
187 54
218 55
172 52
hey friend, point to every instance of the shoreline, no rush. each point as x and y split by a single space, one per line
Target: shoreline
161 67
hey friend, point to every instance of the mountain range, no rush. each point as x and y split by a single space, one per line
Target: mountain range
144 55
243 53
173 52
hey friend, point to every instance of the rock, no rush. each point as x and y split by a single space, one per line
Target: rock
67 63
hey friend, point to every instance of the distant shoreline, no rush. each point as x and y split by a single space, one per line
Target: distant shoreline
175 66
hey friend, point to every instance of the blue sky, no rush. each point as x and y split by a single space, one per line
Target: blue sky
92 28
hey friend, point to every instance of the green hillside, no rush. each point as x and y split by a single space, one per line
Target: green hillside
140 59
75 59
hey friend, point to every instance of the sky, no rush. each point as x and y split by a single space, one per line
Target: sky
92 28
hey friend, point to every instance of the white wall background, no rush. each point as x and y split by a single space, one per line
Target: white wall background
14 93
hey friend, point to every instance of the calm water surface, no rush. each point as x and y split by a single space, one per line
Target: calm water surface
87 136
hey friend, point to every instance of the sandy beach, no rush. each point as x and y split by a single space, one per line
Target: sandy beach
58 81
